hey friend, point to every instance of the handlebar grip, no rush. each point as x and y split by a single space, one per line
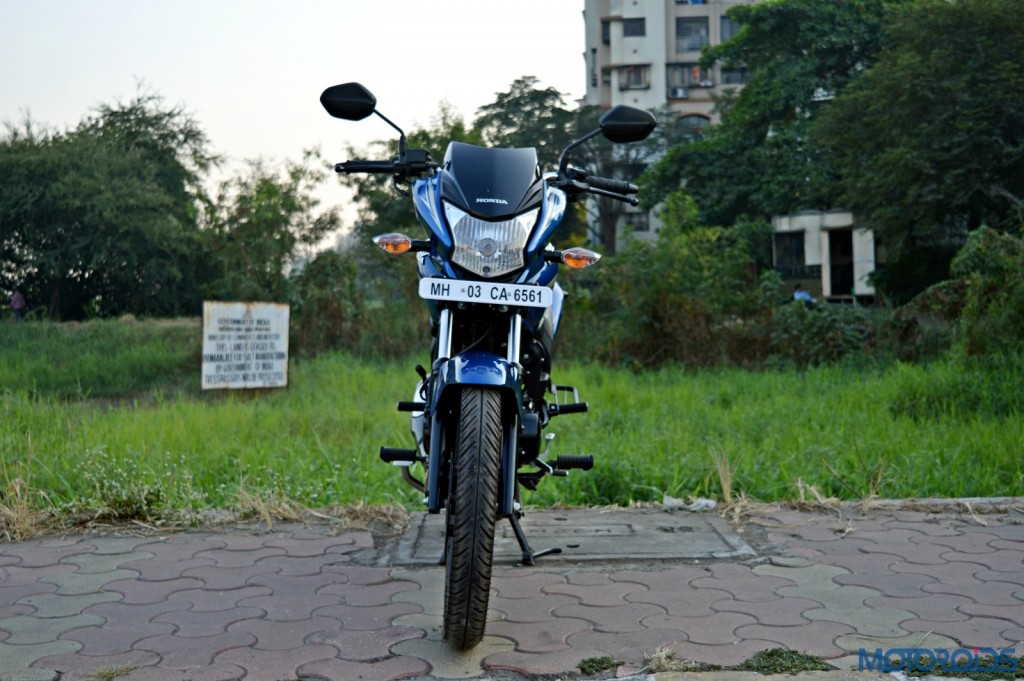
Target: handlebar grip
617 186
365 167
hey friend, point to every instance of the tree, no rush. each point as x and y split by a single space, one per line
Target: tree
759 162
929 142
259 224
102 219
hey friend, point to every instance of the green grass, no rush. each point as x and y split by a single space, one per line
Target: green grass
154 443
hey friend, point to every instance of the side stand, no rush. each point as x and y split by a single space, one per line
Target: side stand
528 554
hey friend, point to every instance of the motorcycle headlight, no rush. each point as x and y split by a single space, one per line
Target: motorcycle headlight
489 249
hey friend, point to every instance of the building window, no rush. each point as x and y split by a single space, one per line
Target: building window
692 127
640 222
789 254
735 76
691 33
688 75
634 77
691 2
730 28
606 32
632 28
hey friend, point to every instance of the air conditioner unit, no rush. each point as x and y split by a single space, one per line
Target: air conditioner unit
678 93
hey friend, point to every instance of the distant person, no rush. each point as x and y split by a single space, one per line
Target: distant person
800 294
18 305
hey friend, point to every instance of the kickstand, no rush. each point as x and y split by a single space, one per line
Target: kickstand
528 554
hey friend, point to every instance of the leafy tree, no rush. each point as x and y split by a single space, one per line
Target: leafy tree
930 140
760 162
101 219
260 223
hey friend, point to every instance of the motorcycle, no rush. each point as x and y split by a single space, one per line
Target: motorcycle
487 273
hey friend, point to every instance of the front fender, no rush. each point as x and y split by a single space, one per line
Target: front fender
481 369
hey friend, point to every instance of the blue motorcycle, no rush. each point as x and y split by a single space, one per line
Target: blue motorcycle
487 273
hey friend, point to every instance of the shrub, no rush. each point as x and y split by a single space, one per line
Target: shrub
327 305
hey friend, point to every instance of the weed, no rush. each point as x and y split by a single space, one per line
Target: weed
664 660
112 672
596 665
780 660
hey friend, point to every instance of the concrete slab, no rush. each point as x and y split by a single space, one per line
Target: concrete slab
606 535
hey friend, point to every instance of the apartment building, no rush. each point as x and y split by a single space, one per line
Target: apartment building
646 53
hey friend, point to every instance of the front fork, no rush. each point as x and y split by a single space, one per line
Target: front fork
493 372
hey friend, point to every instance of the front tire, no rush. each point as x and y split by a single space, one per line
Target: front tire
472 513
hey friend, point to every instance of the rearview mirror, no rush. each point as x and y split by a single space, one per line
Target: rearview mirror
626 124
350 101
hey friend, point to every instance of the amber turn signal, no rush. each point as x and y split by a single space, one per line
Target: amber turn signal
578 258
393 243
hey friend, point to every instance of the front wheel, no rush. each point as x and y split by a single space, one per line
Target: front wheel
472 513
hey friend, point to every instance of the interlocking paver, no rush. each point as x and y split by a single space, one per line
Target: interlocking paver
56 605
782 612
136 591
902 585
304 565
16 595
290 609
447 663
212 600
163 569
363 646
86 563
530 585
293 585
229 558
77 583
727 654
938 607
531 610
115 545
711 629
224 578
276 664
384 670
181 652
741 582
542 637
973 632
43 554
620 619
976 541
193 623
284 635
121 615
986 575
600 595
103 640
817 638
32 629
1012 611
361 575
366 617
15 575
997 560
988 593
310 547
372 594
18 659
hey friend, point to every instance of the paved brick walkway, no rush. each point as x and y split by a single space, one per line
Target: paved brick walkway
298 603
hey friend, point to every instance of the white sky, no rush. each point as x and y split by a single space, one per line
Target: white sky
251 72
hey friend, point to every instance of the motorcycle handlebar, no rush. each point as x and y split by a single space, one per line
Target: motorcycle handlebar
617 186
365 167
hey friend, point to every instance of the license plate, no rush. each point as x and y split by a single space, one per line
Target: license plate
482 292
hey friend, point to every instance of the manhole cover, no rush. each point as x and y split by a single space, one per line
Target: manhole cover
587 535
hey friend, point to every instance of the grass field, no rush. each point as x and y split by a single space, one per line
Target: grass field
107 418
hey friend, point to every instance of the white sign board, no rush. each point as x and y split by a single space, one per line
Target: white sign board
245 345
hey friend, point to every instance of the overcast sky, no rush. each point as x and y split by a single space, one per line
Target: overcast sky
251 72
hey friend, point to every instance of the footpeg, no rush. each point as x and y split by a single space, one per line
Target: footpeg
573 408
399 456
565 462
